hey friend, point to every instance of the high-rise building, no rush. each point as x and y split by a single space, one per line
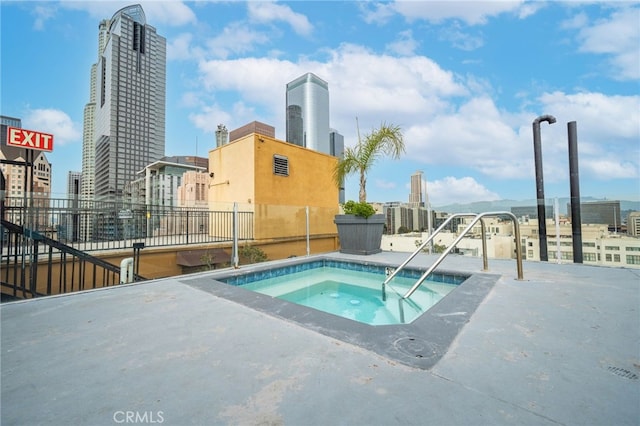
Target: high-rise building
74 183
87 190
308 113
69 228
127 102
336 148
415 196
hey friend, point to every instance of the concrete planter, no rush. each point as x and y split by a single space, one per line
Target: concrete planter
359 235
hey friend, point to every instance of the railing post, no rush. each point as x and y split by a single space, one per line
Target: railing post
235 235
187 226
485 261
307 218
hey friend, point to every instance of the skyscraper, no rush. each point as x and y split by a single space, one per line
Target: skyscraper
308 113
415 196
127 102
336 148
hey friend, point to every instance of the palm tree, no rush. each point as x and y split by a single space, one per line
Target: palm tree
386 140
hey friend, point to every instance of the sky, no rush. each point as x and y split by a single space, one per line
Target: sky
464 80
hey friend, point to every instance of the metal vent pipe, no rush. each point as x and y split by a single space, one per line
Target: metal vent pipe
574 182
537 152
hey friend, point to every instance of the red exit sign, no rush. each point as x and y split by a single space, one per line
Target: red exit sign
29 139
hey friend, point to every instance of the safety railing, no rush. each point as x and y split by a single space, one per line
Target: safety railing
67 269
477 217
99 226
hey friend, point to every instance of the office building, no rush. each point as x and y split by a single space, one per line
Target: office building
336 148
595 212
157 183
253 127
415 196
307 103
69 227
633 224
124 123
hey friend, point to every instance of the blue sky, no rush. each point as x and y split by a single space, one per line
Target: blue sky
464 80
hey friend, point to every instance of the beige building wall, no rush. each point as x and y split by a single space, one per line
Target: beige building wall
244 172
194 191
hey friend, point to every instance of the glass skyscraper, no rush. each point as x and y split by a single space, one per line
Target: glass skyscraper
308 113
124 123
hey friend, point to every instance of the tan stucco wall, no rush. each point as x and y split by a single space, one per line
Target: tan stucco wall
278 201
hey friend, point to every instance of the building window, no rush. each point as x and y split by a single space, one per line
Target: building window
589 257
615 248
632 249
616 258
280 165
607 257
633 259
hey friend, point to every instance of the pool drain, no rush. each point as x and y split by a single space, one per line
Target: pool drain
623 372
416 348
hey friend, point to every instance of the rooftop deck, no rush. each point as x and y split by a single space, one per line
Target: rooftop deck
560 347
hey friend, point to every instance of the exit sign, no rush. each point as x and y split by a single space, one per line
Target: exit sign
29 139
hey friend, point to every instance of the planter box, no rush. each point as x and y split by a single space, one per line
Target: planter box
359 235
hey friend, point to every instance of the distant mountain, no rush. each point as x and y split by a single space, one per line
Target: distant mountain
505 205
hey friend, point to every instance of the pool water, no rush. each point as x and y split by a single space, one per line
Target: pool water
355 295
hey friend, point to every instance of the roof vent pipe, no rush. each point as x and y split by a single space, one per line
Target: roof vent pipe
537 152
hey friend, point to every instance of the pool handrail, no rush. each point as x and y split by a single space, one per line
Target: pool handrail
421 247
477 218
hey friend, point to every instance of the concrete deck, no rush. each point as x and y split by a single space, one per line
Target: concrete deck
560 347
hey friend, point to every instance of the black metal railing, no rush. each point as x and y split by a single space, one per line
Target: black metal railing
67 269
54 237
93 225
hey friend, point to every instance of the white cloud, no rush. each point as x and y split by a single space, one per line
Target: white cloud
53 121
619 37
236 38
610 168
42 14
372 87
180 48
267 12
172 13
376 12
451 190
471 12
405 45
460 39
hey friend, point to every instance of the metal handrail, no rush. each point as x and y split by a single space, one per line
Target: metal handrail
461 236
420 248
478 217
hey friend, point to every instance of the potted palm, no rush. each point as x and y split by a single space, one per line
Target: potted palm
359 228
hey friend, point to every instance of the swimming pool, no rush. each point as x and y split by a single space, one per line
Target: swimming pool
351 290
419 343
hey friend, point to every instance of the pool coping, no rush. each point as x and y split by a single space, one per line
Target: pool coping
420 344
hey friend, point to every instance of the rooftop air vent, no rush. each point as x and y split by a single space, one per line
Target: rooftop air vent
280 165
